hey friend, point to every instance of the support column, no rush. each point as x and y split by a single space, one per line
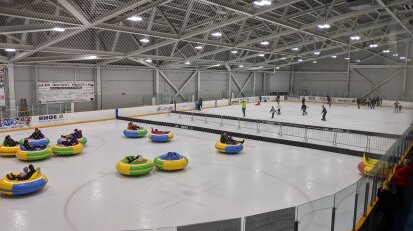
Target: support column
11 90
230 86
98 88
291 80
253 84
347 91
264 84
198 85
405 72
156 87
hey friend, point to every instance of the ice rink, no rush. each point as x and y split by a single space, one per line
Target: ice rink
379 120
85 192
382 119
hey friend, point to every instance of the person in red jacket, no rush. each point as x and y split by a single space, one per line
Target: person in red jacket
402 177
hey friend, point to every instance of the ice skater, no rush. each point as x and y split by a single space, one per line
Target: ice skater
329 101
278 109
272 111
373 103
303 100
396 107
324 113
278 99
358 103
244 107
400 107
304 109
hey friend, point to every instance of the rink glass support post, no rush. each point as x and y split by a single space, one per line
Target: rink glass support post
117 113
192 116
258 126
239 123
355 211
368 144
206 119
335 139
305 135
333 218
374 187
222 121
281 130
366 199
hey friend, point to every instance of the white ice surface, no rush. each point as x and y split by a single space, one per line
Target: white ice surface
381 119
85 192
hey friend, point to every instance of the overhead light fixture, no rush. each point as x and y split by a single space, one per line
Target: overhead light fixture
355 38
358 60
199 47
187 63
241 66
59 29
144 40
91 57
262 3
300 60
373 45
265 43
386 51
135 18
316 53
315 61
334 56
283 58
261 55
395 55
347 58
295 49
278 68
10 50
324 26
234 51
217 34
260 67
402 58
408 60
217 65
148 60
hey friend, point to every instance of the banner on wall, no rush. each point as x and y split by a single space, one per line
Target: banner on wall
65 91
14 123
2 93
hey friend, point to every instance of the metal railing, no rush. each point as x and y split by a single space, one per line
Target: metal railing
363 141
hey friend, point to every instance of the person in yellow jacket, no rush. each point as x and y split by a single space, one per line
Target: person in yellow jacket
244 107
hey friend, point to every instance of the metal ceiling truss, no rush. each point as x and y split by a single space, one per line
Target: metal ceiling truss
176 27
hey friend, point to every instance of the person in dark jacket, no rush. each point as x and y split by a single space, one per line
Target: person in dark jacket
27 145
226 139
329 101
324 113
387 204
402 176
9 142
36 135
303 101
273 111
78 133
304 109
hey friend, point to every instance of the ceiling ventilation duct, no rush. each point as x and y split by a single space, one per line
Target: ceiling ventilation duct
359 4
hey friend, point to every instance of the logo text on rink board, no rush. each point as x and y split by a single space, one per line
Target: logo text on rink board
48 119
